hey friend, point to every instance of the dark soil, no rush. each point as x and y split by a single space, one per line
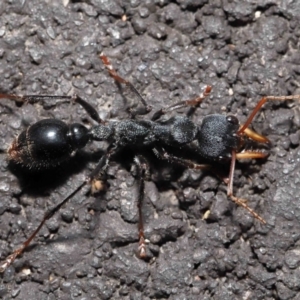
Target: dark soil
169 51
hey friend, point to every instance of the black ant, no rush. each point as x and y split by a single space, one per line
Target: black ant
218 138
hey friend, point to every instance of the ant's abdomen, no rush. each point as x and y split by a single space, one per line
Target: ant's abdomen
47 143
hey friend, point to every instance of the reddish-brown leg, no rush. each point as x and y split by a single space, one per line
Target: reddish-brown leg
229 181
186 103
260 104
142 174
239 201
181 104
162 154
101 166
112 72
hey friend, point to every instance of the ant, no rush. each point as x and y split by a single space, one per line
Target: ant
217 139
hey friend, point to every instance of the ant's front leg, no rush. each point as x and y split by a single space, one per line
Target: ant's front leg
92 112
239 201
259 105
229 181
162 154
112 72
181 104
101 167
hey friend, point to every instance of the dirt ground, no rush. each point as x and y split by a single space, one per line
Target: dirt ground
169 50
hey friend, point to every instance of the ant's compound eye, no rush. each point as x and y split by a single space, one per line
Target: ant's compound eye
232 119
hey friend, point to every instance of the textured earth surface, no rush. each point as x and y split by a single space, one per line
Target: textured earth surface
169 50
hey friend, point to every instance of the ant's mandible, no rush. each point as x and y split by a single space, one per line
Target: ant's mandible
218 138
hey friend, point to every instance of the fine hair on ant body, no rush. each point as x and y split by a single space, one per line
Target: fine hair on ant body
218 138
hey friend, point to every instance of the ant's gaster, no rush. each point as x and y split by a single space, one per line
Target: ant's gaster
218 138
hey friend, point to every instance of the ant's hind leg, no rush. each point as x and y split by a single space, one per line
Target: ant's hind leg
112 72
193 103
92 112
48 215
101 167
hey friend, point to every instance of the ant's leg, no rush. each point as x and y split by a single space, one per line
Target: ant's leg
119 79
239 201
229 181
162 154
194 102
101 167
260 104
142 174
92 112
11 258
185 103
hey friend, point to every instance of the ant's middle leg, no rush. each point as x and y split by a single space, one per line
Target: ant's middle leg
181 104
101 167
92 112
142 174
112 72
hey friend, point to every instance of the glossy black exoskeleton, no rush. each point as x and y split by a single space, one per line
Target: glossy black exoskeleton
47 143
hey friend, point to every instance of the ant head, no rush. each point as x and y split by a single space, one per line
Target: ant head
217 136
